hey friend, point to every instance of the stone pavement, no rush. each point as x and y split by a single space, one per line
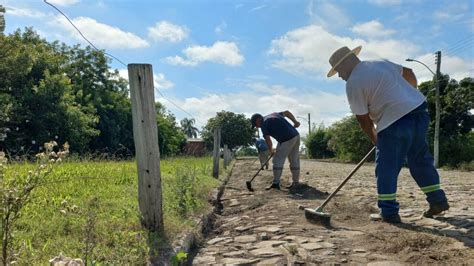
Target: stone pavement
268 228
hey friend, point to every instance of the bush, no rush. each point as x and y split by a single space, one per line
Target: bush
457 150
317 143
348 141
247 151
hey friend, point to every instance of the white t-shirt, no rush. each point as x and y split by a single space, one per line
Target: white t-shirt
379 89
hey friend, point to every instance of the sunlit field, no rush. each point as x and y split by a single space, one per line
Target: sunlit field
89 210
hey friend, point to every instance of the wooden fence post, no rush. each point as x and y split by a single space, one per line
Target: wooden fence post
216 152
226 156
145 135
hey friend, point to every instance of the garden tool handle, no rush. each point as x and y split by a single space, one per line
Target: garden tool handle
347 178
261 168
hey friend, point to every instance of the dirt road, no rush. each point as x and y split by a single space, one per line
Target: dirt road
267 228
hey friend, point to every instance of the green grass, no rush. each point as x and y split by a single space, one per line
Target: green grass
99 200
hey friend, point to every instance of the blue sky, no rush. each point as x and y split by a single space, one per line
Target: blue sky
258 56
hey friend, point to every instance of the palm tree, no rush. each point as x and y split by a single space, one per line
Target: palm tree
187 125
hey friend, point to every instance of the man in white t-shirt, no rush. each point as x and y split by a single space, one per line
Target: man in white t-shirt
394 115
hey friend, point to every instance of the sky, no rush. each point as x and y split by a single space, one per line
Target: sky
257 56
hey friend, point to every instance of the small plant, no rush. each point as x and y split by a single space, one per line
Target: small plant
90 234
15 192
466 166
179 258
293 249
185 190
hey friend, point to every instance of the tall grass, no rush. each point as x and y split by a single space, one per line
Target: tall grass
89 210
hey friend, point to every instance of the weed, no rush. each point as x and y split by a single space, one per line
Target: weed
466 166
15 192
90 234
63 200
185 189
293 249
179 258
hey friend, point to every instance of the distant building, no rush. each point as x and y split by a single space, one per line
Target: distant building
195 147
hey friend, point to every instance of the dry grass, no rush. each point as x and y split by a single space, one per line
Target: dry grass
395 242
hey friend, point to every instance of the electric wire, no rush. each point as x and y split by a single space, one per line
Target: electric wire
112 56
84 37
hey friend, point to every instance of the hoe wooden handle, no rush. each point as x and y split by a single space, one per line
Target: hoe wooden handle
347 179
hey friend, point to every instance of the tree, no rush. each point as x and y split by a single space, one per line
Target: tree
37 98
348 141
456 119
171 139
236 130
317 143
2 19
187 125
103 92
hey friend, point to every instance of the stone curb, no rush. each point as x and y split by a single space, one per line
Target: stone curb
188 240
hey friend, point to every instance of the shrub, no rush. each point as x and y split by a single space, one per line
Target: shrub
348 141
247 151
317 143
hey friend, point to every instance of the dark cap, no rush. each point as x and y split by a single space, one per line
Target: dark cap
253 119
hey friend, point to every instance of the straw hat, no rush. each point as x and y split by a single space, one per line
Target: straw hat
338 56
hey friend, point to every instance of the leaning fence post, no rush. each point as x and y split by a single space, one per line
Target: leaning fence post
145 135
217 141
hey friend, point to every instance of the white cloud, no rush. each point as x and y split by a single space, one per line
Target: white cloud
101 35
24 12
226 53
372 30
166 31
452 12
322 12
123 73
257 8
385 2
267 98
220 28
63 2
456 67
307 50
159 80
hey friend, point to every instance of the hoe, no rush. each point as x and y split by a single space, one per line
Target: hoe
249 183
318 215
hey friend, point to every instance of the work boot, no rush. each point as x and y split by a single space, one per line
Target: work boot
436 208
273 185
392 219
293 185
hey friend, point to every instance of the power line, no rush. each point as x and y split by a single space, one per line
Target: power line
459 50
450 50
460 43
177 106
84 37
110 55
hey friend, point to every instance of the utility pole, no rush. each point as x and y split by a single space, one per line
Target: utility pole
309 122
437 105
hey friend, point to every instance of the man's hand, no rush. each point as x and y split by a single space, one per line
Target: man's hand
288 114
272 152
